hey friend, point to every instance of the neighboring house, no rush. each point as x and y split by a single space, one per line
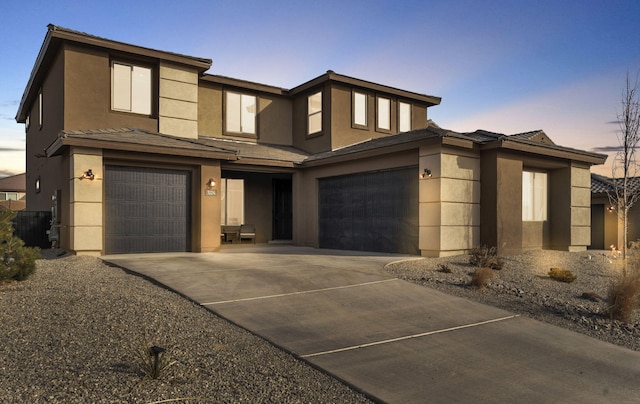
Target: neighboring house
142 151
13 192
606 227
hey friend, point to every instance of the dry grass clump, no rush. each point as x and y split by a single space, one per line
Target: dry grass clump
485 257
481 277
623 297
562 275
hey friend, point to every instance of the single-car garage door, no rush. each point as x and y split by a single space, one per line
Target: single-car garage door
375 211
146 210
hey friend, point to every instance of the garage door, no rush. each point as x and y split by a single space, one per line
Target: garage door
146 210
376 211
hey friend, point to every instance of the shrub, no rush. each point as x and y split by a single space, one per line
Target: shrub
623 297
481 277
562 275
16 261
444 268
485 257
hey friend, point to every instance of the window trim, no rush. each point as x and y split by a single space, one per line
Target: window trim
533 196
378 114
226 110
318 113
354 110
151 88
400 104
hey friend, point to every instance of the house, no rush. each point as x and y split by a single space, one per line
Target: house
606 225
141 150
13 192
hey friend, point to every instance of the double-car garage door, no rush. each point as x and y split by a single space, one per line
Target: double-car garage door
146 210
374 211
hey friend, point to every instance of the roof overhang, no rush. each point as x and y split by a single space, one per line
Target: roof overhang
545 150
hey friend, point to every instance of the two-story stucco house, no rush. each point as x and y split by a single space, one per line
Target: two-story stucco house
141 150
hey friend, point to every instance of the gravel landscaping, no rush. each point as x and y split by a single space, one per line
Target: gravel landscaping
523 286
69 332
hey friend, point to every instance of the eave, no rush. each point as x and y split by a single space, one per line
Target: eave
545 150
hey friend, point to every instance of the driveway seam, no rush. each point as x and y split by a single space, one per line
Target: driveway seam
406 337
303 292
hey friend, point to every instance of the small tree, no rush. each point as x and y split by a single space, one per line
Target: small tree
16 261
624 193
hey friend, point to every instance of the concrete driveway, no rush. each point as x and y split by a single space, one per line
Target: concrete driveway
394 340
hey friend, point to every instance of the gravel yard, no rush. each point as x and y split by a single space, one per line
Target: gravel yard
524 287
68 333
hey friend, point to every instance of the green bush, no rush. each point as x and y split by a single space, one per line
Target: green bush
485 257
562 275
17 262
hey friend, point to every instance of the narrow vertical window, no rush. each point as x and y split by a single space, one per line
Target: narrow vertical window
40 114
232 206
131 89
404 117
384 114
359 109
240 113
314 113
534 196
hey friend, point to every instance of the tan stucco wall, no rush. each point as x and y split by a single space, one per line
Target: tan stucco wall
206 208
86 202
318 142
274 123
178 103
449 210
87 93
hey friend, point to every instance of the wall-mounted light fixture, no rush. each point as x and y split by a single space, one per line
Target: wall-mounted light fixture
611 209
426 173
88 175
211 183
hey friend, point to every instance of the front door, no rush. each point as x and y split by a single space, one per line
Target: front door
282 209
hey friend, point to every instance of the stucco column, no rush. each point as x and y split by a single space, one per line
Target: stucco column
207 217
449 201
86 202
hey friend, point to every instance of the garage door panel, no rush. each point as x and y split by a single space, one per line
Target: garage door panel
146 210
370 211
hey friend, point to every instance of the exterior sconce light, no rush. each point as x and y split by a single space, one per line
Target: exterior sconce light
610 209
88 175
211 183
426 173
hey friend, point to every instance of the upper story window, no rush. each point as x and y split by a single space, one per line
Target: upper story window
240 113
40 114
404 117
534 196
359 109
384 114
131 88
314 113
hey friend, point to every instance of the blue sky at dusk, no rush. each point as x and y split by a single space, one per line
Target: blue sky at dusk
504 66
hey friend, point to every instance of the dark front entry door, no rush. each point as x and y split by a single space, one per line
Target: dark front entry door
282 209
597 227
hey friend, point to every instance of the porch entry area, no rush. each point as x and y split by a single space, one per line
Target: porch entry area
262 200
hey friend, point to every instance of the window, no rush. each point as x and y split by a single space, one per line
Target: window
131 88
404 117
384 114
40 108
232 202
240 113
534 196
314 113
8 196
359 109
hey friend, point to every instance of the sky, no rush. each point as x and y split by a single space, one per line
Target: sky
503 66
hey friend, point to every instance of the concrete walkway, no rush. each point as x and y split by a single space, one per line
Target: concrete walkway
394 340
